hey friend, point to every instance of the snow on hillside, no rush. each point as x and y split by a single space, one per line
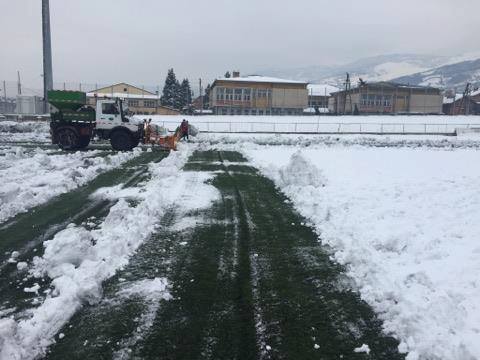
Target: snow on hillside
449 76
404 223
441 71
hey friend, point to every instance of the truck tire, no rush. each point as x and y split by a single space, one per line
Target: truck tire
121 141
83 142
67 139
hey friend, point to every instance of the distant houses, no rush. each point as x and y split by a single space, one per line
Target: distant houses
139 101
387 98
258 95
458 104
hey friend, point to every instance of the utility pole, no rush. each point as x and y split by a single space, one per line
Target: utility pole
5 92
19 84
47 53
200 94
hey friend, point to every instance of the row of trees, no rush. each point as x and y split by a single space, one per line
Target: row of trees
177 95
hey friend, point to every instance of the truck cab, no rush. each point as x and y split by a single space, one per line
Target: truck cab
113 123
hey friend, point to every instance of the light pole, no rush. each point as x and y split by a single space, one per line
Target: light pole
47 53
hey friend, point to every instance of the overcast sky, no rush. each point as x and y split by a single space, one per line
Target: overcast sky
137 41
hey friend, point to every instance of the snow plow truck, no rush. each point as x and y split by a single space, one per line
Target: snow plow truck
73 123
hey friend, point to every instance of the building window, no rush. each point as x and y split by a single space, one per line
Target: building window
228 94
221 94
133 103
387 100
246 94
261 93
238 95
149 103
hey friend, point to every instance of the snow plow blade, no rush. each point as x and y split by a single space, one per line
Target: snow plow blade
166 142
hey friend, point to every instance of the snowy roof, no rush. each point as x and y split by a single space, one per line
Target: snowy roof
321 89
262 79
449 100
123 96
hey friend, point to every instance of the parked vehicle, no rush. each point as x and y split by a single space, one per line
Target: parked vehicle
73 124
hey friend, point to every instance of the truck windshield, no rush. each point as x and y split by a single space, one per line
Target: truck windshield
109 109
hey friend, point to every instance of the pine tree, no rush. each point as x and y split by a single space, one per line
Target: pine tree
179 99
186 92
228 75
206 97
169 90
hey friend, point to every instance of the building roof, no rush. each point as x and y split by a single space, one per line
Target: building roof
102 89
261 79
321 89
123 95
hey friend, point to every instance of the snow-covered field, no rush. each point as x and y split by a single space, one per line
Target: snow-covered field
78 260
33 176
312 124
399 212
404 222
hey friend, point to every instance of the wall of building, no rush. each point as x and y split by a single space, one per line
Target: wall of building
426 104
29 105
289 98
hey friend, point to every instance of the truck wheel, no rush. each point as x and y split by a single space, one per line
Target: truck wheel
83 142
121 141
67 139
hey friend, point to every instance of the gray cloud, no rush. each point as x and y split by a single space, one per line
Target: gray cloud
137 41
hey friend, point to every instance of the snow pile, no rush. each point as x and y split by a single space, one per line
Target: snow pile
78 260
405 224
150 289
32 178
300 172
24 127
36 131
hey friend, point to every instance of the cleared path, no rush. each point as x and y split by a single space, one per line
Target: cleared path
248 281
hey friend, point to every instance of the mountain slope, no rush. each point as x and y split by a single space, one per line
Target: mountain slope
383 67
447 76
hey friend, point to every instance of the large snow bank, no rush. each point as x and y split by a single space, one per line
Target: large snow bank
33 178
31 131
405 224
78 260
24 126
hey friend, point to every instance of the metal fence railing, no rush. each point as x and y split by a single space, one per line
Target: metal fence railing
322 128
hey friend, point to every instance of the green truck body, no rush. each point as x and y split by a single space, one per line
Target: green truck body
70 106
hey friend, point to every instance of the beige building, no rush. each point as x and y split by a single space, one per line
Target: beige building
140 101
258 95
387 98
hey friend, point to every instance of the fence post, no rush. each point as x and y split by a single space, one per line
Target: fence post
230 126
403 128
339 127
381 128
360 127
251 127
425 128
295 127
274 128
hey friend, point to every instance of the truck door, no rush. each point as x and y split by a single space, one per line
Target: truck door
110 113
